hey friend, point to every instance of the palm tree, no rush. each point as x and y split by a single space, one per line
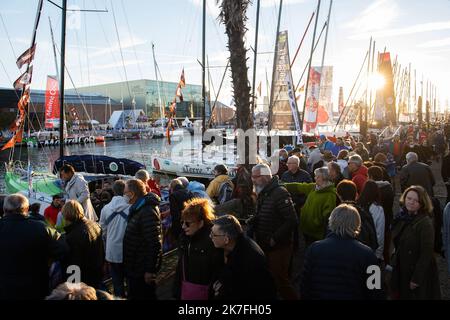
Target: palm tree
233 16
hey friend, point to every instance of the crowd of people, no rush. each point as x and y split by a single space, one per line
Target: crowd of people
313 226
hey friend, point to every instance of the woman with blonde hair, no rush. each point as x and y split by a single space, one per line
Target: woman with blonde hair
198 259
414 274
84 238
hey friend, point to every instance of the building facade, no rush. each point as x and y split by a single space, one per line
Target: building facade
143 94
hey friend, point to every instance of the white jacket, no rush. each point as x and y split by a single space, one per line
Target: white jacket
377 213
77 189
113 229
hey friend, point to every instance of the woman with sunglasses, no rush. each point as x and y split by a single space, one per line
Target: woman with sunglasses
198 259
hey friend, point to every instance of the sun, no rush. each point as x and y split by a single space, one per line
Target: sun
376 81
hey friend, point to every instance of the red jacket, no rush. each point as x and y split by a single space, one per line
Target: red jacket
359 177
51 214
153 187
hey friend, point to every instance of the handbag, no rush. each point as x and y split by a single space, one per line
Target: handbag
193 291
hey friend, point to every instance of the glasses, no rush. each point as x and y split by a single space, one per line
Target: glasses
187 223
213 235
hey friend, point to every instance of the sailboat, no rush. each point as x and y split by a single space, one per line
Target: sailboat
41 186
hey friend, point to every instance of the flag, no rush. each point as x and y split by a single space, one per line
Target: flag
16 138
179 93
182 82
24 79
259 89
26 57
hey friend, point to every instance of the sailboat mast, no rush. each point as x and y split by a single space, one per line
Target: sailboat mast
255 58
326 33
54 48
61 79
161 110
310 62
203 67
274 66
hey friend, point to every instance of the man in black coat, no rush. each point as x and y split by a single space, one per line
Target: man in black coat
26 246
245 275
274 226
178 196
339 267
142 243
416 173
295 174
445 172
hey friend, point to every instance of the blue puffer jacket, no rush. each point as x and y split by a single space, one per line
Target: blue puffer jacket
336 269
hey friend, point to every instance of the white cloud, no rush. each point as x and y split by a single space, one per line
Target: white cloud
435 43
124 43
379 15
418 28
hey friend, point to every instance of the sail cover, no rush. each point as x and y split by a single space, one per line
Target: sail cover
283 114
99 164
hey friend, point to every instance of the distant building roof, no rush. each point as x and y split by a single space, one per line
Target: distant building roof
9 97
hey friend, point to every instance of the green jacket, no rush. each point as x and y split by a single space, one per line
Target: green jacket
317 208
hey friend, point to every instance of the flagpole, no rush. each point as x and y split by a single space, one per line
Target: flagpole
255 58
310 63
61 80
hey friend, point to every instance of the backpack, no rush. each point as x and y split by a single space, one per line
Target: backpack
225 192
368 233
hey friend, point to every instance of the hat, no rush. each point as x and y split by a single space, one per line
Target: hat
322 136
327 156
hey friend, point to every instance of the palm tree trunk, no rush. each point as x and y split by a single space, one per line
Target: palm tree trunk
233 16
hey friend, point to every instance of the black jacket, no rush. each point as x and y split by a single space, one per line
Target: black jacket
177 199
417 173
299 176
445 169
336 269
26 245
142 242
201 259
275 216
84 238
246 275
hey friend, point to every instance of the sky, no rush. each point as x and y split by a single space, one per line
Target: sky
416 32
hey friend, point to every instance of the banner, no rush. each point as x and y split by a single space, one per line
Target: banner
283 107
51 102
325 113
385 110
312 101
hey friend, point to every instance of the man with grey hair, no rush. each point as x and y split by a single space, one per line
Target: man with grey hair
295 174
416 173
245 274
358 171
26 246
113 220
274 225
337 268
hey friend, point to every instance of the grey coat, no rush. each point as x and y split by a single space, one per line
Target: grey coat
77 189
